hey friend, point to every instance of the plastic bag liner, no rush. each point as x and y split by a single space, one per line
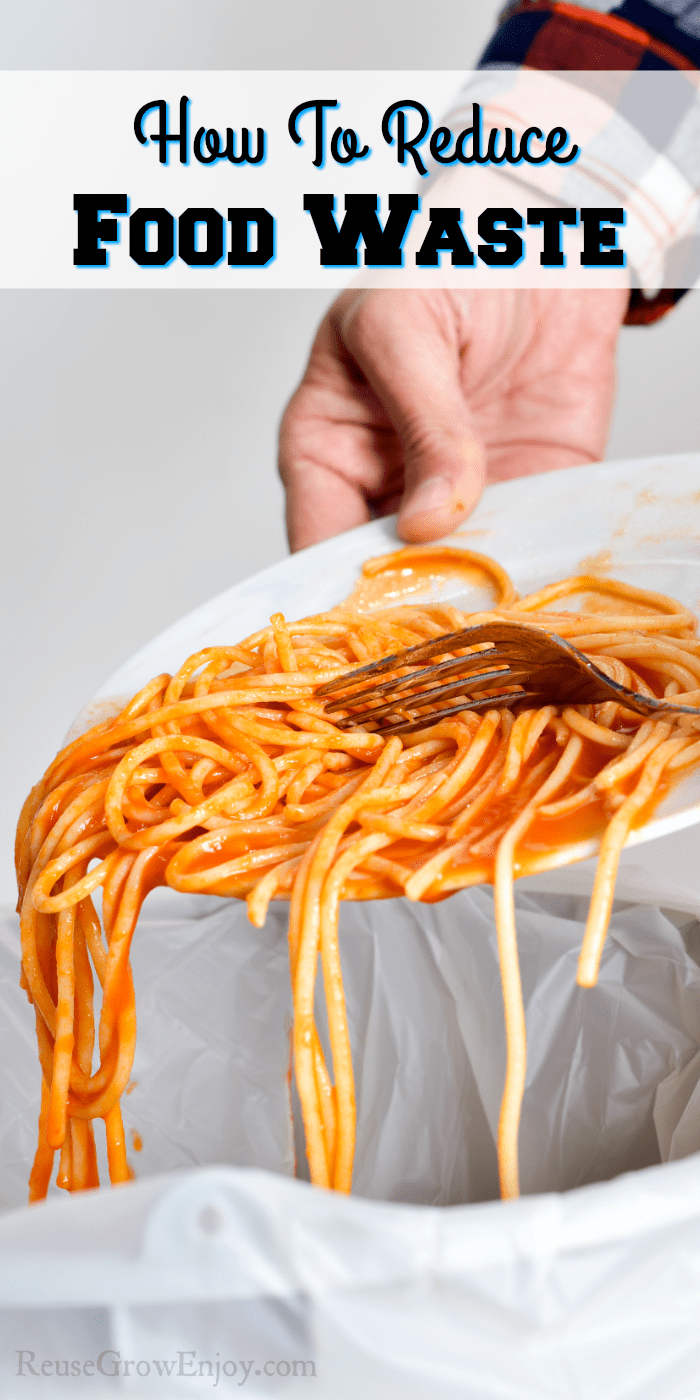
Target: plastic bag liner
202 1277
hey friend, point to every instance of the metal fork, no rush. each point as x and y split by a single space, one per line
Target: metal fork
550 670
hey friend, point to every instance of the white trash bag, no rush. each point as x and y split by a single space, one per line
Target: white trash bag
202 1278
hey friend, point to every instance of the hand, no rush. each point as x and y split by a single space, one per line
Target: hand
412 400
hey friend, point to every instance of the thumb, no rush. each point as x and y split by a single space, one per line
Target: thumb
445 476
408 347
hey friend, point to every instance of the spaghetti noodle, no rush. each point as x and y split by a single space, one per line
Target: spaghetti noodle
229 778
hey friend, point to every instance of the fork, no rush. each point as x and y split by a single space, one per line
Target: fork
550 668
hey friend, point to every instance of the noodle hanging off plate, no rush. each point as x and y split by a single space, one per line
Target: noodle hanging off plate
228 778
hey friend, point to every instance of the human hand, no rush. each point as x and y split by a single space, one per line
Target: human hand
412 400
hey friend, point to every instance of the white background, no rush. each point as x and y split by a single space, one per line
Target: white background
138 429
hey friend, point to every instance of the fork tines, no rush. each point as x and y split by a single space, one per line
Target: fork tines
554 669
465 665
425 721
412 700
410 656
409 693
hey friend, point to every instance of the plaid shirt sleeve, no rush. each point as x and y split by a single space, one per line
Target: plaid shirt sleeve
646 154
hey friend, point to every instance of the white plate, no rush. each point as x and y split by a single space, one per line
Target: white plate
637 520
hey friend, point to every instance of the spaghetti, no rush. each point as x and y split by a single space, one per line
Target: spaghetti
229 778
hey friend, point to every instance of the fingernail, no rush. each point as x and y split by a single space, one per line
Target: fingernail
432 494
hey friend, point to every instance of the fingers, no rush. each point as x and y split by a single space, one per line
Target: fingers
407 345
406 392
381 420
320 503
337 449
